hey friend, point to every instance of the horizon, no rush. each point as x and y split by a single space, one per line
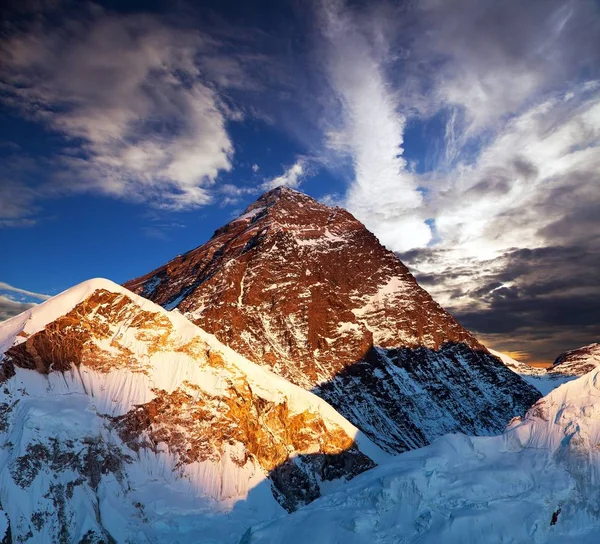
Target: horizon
131 132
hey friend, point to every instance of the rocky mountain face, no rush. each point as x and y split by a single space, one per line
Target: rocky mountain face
120 421
308 292
576 362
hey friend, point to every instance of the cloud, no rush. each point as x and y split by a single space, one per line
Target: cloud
543 300
542 167
255 168
462 50
6 287
511 168
14 300
383 193
134 100
10 308
292 177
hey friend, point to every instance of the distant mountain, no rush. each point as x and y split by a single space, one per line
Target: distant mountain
576 362
539 378
520 368
121 422
308 292
535 483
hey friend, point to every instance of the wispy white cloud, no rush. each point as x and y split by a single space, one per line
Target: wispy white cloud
462 52
384 193
11 289
292 177
140 118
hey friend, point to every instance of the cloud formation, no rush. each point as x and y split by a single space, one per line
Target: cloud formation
10 308
519 230
509 186
134 100
383 193
292 177
16 290
14 300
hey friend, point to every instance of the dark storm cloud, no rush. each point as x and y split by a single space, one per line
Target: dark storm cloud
542 301
9 308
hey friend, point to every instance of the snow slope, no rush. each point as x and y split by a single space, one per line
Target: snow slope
119 420
538 482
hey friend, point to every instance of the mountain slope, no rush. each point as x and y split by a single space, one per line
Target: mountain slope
309 292
576 362
122 422
535 483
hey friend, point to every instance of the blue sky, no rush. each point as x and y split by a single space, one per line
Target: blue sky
76 237
463 133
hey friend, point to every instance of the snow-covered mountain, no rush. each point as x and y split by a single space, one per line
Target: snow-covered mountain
538 482
121 422
307 291
576 362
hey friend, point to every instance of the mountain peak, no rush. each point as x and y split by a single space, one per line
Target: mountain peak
307 291
105 394
576 362
282 192
284 199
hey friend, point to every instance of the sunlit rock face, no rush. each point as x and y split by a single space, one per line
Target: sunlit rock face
576 362
307 291
120 421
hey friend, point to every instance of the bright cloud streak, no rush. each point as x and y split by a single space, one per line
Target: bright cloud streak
6 287
292 177
383 193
